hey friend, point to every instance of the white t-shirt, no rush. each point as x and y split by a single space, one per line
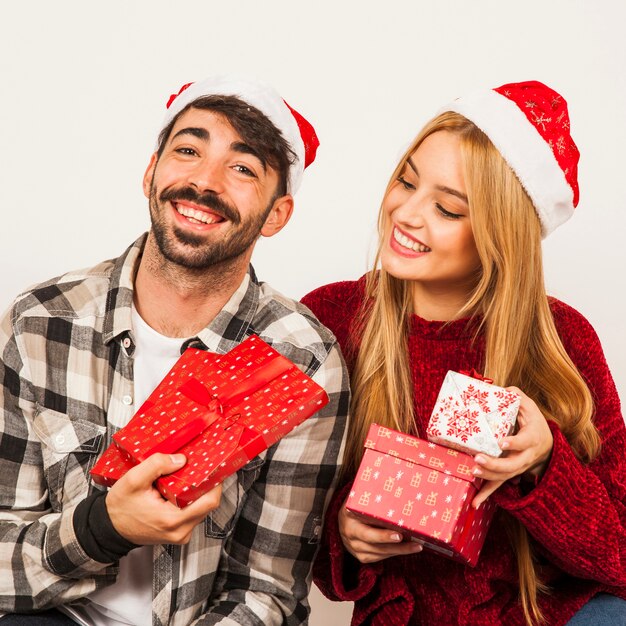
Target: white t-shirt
129 599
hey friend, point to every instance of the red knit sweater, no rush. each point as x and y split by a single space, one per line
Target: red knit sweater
576 515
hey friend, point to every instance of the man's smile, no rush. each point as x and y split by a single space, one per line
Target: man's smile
196 215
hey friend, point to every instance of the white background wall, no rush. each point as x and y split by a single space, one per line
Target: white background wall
83 89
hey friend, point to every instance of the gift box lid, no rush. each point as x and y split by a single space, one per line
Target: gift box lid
414 450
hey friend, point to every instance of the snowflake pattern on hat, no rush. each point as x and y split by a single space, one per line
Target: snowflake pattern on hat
547 111
529 125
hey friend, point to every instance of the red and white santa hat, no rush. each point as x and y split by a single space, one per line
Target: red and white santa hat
529 125
296 130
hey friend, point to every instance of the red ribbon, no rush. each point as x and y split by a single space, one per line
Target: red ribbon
216 405
478 376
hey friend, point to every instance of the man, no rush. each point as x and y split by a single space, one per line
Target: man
81 352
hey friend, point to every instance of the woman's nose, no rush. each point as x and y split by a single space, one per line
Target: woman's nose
412 211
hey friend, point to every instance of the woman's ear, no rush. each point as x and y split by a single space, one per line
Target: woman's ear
279 215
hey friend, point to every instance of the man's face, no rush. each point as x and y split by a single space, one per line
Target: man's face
209 192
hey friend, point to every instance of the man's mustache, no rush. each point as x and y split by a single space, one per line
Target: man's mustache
208 200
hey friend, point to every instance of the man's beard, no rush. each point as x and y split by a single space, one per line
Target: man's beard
196 253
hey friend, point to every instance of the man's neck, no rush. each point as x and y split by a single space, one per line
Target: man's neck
180 302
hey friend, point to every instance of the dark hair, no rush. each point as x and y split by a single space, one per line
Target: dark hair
254 128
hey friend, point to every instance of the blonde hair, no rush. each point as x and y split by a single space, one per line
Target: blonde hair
522 346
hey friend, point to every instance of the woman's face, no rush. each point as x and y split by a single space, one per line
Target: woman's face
428 233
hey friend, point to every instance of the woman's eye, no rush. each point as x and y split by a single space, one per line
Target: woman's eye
405 183
448 214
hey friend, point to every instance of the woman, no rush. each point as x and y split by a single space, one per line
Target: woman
460 286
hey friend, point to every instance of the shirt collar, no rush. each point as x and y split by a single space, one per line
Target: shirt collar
118 311
234 322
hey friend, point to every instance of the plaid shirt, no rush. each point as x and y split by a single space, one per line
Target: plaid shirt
67 374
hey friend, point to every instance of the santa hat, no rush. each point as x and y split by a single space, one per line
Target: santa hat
298 133
529 125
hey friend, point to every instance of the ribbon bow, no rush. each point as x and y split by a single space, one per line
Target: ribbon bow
477 375
215 405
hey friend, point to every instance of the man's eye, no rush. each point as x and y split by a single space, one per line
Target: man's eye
242 169
186 151
448 214
405 183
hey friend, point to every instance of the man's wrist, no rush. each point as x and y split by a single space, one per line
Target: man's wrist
95 531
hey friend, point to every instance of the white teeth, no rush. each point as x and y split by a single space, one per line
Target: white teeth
197 216
405 242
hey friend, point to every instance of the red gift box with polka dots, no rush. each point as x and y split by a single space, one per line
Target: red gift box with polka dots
424 491
221 411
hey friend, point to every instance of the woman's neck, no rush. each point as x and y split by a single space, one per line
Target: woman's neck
433 302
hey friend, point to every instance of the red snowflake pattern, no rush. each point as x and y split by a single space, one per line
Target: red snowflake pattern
447 405
472 394
433 431
505 399
463 424
503 429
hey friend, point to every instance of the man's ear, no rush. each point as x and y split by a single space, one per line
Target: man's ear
147 177
279 215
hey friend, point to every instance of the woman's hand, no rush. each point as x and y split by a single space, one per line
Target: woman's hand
527 452
368 543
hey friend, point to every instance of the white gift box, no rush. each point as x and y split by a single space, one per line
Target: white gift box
472 415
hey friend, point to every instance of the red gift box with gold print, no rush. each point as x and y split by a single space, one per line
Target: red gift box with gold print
424 491
220 411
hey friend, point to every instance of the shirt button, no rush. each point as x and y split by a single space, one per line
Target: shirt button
126 342
60 439
127 400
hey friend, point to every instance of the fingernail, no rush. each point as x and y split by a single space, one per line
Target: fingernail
480 459
504 445
396 537
177 459
477 471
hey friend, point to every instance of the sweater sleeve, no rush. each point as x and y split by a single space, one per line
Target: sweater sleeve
373 589
577 512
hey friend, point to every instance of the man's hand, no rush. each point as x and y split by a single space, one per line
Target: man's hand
369 543
141 515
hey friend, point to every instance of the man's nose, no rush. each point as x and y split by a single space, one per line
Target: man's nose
207 176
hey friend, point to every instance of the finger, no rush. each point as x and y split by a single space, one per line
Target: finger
516 443
485 491
370 553
148 471
204 504
511 464
357 529
501 476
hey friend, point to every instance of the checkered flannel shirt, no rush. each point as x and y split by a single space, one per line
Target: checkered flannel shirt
67 386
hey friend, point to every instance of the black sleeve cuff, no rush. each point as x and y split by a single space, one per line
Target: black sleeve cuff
95 531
